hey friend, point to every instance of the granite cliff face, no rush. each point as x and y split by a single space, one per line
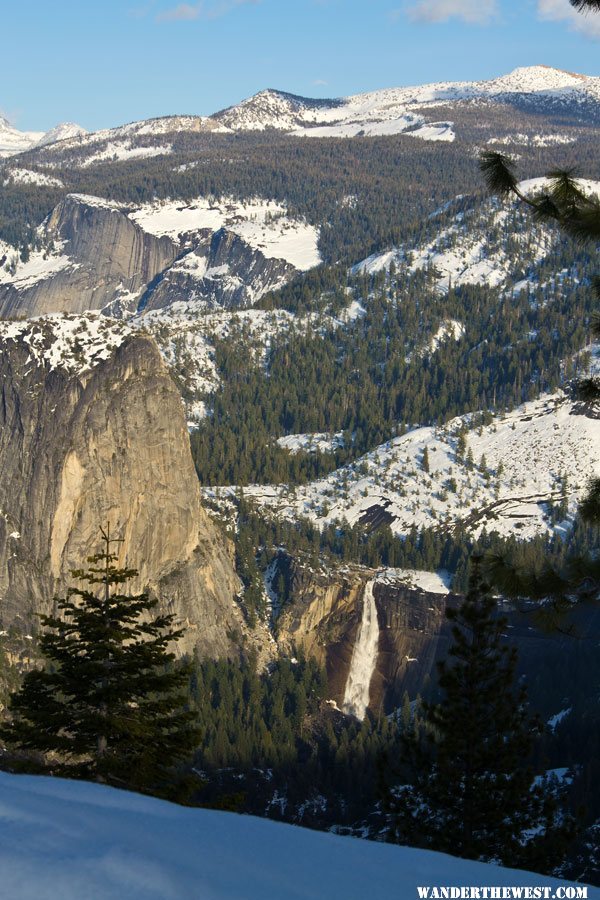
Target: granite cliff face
96 257
222 271
104 443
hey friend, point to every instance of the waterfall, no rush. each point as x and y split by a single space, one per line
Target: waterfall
364 658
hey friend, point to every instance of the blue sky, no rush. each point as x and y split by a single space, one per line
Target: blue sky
103 64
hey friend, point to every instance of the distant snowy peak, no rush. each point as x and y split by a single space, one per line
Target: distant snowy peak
539 78
13 141
135 140
413 111
61 132
274 109
397 110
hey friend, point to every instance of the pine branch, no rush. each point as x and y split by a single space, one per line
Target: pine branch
586 5
583 223
499 172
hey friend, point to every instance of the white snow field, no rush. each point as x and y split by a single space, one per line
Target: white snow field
13 141
263 224
68 840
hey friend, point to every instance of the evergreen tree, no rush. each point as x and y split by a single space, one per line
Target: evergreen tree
471 791
109 705
425 460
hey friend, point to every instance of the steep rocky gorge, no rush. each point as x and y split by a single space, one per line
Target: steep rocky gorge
106 443
323 614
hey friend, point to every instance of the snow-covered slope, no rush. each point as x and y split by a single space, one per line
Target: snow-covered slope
218 252
73 343
414 111
63 132
263 224
489 242
398 110
511 475
132 141
73 840
20 175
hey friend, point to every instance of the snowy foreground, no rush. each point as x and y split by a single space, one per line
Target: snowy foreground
72 840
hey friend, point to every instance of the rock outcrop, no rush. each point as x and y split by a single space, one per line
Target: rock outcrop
96 257
106 443
222 271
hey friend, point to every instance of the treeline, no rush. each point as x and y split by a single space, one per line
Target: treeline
330 182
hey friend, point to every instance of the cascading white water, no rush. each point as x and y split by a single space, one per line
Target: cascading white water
364 658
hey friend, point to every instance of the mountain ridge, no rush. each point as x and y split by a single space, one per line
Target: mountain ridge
392 110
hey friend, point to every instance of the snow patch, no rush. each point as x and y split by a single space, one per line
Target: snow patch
263 224
74 343
27 176
323 442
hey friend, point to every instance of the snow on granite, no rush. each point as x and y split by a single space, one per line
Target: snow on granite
74 343
63 132
72 839
395 110
398 125
430 582
13 141
99 202
481 242
123 150
515 477
535 140
40 265
532 186
449 330
263 224
434 131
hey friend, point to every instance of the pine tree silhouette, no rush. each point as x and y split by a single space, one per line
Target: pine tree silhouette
471 791
109 706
